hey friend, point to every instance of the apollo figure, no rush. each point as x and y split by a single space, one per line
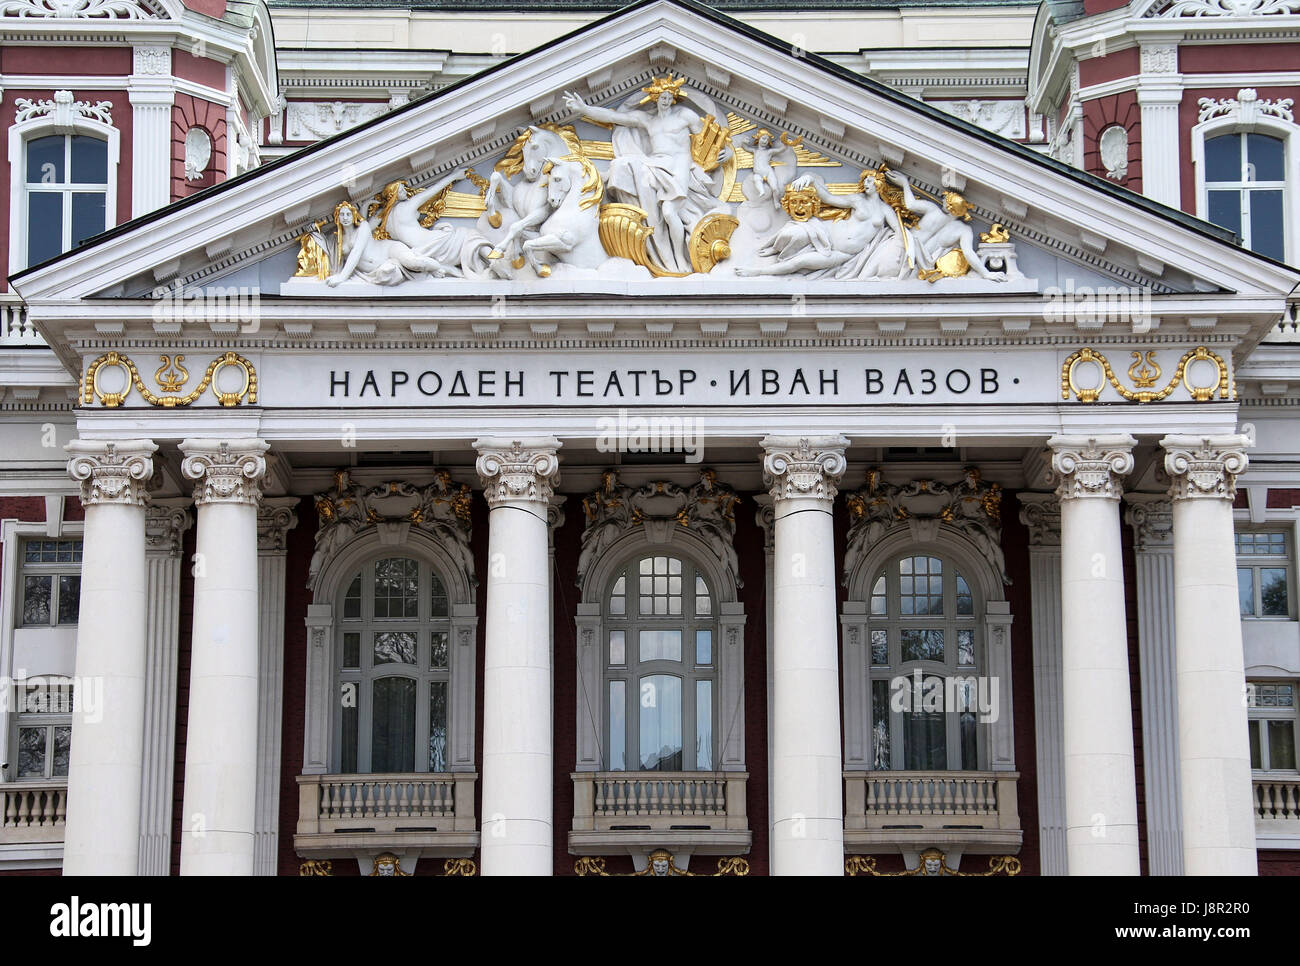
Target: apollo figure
653 167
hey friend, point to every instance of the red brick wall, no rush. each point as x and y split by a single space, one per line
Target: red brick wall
188 112
1098 115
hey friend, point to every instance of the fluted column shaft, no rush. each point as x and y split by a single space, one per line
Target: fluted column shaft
105 762
218 818
1100 788
518 772
807 760
1213 746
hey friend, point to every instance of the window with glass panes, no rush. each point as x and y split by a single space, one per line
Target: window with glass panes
1245 189
923 617
43 728
1264 573
660 667
66 189
1271 719
50 583
393 669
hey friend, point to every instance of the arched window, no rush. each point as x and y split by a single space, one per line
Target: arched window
660 661
393 669
926 654
1245 188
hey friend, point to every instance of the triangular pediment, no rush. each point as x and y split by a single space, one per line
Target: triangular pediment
766 174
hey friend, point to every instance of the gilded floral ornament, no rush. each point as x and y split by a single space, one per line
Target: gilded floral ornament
1204 467
1145 371
660 863
518 470
933 862
803 467
171 377
225 471
1091 467
114 472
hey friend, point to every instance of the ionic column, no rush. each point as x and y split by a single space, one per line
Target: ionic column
102 834
217 821
1213 749
1101 831
1151 516
807 768
167 521
1041 514
518 774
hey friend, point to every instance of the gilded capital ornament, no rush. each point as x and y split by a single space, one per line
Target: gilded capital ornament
1204 467
1091 466
112 472
225 471
803 467
518 470
1151 515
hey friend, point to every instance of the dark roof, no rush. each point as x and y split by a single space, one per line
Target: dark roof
875 87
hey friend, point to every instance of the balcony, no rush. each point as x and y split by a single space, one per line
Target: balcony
15 327
897 811
418 814
33 812
637 812
1277 812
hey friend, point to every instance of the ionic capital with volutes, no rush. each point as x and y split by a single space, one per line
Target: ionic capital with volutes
1204 467
1091 467
116 471
803 467
225 470
519 470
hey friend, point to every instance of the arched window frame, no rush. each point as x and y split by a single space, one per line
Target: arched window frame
996 739
1288 133
322 737
20 135
593 626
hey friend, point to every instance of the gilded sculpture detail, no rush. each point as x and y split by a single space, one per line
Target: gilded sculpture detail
681 187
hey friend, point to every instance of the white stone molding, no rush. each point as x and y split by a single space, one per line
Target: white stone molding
518 470
112 472
1204 467
803 467
807 756
1091 467
1220 8
152 93
1247 107
275 518
1151 516
85 9
1159 99
1100 782
441 509
1159 58
225 471
152 59
165 524
660 509
1218 809
62 108
1041 514
970 506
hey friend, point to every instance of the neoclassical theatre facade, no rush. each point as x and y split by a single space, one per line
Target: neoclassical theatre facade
663 453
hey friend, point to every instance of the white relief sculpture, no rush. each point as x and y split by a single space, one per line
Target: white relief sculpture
654 167
1006 118
312 120
400 214
866 244
571 231
375 260
62 107
198 152
941 233
1246 107
84 9
1222 8
774 166
1113 148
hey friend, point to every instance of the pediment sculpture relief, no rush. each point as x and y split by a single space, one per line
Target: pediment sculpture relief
707 509
678 189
